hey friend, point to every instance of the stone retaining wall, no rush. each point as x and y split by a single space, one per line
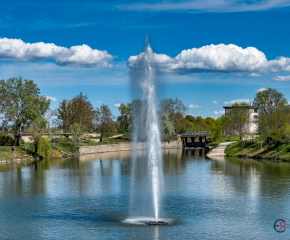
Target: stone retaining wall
123 147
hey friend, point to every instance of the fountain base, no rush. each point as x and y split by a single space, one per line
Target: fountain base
157 223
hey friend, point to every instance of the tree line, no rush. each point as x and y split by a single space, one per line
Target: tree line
23 108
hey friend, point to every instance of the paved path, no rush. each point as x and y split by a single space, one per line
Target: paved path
219 151
115 136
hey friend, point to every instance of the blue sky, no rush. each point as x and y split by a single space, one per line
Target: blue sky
115 30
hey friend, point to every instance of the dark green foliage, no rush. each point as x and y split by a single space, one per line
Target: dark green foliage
6 140
78 110
125 119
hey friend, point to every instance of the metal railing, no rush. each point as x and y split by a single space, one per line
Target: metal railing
195 133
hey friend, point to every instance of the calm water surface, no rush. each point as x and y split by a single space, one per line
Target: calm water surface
106 196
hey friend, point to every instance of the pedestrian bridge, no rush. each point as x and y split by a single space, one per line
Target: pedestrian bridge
194 139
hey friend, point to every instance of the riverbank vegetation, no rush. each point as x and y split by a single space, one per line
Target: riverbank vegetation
272 139
76 122
260 151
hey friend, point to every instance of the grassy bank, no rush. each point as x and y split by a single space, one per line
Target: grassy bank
5 153
232 138
254 150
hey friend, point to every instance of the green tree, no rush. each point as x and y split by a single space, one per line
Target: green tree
273 127
44 149
238 118
200 123
210 123
268 101
37 127
175 109
82 111
21 103
77 110
167 126
125 119
77 131
63 115
190 118
104 120
219 127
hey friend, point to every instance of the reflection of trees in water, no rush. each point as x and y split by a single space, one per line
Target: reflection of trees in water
247 175
176 160
17 182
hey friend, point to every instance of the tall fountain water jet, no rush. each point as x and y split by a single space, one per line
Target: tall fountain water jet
146 120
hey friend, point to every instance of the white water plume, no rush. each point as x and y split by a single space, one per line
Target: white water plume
146 122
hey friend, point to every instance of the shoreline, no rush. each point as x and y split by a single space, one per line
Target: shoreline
19 160
124 146
253 150
85 150
260 158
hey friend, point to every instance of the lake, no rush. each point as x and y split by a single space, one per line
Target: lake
106 196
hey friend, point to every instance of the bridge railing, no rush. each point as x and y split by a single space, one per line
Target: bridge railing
195 133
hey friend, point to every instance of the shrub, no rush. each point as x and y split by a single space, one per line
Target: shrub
44 148
56 154
7 140
2 139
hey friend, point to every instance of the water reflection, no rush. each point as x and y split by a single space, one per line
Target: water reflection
90 196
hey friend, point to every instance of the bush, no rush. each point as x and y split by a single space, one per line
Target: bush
2 139
56 154
44 148
7 140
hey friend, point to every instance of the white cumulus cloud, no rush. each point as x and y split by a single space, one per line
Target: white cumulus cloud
212 58
239 101
117 105
282 78
254 75
99 102
76 56
261 89
53 99
215 102
218 112
194 106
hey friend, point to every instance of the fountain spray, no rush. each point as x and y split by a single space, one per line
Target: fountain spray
146 125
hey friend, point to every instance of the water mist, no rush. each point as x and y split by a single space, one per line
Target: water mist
146 121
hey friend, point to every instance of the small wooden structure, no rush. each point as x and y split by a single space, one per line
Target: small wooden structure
195 139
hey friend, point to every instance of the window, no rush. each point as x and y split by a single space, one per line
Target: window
255 110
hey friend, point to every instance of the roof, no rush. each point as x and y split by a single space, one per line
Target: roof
252 107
